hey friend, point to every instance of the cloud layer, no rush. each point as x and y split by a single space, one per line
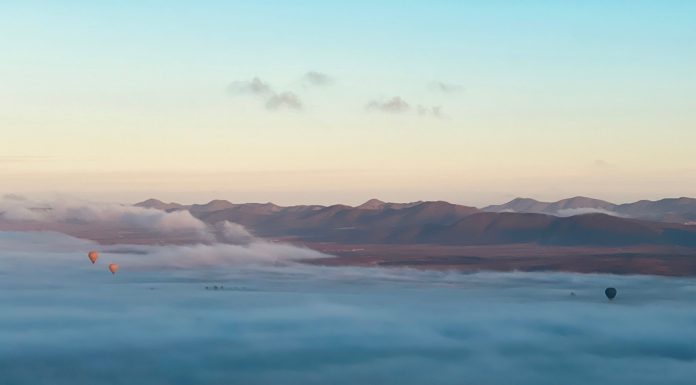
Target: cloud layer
274 320
298 324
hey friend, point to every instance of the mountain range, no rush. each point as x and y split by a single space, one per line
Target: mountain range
576 221
673 210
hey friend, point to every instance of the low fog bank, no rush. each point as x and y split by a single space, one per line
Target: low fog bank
58 259
113 223
66 321
46 242
73 210
587 210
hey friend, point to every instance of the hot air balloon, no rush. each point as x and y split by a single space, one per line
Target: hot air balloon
113 268
93 256
610 292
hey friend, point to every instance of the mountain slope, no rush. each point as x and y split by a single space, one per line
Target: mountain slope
528 205
159 205
676 210
339 220
580 230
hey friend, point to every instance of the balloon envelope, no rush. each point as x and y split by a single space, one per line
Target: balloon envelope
113 268
610 292
93 256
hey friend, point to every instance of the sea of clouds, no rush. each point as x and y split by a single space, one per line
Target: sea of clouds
274 320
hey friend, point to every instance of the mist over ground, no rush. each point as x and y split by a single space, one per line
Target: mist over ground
275 321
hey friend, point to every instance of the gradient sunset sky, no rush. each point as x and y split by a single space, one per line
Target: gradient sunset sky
473 102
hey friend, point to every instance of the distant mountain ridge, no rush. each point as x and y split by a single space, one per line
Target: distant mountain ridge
528 205
158 204
521 220
376 204
672 210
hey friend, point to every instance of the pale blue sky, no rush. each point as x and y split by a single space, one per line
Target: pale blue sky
556 98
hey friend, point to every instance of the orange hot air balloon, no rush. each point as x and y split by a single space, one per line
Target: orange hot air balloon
113 268
93 256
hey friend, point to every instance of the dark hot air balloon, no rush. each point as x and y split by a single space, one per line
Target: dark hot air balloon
610 292
93 256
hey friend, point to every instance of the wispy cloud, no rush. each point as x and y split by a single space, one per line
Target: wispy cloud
14 197
23 158
317 79
395 105
434 111
446 88
288 100
585 210
254 86
272 100
601 163
284 100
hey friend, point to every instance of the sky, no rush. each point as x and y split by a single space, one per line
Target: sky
473 102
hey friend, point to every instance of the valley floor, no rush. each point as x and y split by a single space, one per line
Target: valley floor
654 260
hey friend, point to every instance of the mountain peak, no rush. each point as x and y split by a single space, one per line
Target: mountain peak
153 203
519 205
149 203
578 203
214 205
522 201
372 204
